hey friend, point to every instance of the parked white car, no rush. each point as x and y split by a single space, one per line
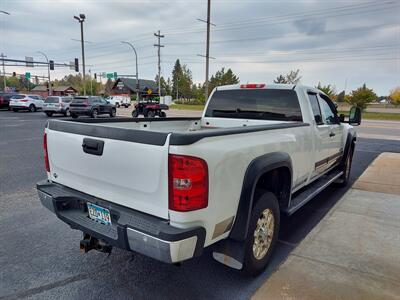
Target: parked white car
57 105
119 100
26 102
179 185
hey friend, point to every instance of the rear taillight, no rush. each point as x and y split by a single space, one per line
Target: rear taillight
46 155
252 86
23 100
188 183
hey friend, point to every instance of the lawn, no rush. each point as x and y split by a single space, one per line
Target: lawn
377 116
187 106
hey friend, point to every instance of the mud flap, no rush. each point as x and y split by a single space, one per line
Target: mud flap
230 253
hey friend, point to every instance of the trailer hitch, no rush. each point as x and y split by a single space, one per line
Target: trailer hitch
89 243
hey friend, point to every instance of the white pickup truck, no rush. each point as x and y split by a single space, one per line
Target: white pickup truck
168 188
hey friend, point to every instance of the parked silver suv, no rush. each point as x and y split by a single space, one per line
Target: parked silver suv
57 105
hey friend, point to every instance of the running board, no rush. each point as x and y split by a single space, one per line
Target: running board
311 191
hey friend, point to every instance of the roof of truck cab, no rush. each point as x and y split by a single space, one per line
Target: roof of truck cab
267 86
279 86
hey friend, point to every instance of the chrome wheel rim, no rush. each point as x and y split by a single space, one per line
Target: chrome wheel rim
263 234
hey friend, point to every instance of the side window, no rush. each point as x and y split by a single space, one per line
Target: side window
329 115
315 108
34 97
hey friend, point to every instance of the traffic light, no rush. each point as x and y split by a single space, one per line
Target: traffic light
51 62
95 76
14 74
76 65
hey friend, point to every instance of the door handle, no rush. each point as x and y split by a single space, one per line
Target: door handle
332 134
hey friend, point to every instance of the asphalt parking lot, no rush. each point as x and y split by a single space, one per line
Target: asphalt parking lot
40 255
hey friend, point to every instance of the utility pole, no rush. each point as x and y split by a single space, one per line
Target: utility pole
4 72
91 83
207 56
159 46
48 73
137 72
208 45
81 19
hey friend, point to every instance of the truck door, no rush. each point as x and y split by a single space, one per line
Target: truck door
322 139
331 120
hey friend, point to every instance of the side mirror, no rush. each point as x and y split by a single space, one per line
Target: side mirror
318 119
355 116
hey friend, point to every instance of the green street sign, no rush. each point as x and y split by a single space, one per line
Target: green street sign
27 75
115 75
110 75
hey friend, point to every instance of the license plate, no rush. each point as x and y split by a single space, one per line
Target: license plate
99 213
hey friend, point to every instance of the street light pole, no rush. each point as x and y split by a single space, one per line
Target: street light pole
48 73
3 56
81 19
137 72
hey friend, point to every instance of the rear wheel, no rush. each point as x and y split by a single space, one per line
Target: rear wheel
49 114
117 105
67 113
263 233
113 112
95 113
74 116
163 114
135 113
32 108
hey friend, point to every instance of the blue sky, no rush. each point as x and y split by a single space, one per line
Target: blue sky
344 43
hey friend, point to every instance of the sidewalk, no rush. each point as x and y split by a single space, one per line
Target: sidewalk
354 253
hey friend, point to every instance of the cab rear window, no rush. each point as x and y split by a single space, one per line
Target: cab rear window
264 104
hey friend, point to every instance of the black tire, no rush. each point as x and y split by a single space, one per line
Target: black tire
67 113
95 113
113 112
117 105
344 179
265 202
151 114
32 108
15 109
74 116
49 114
163 114
135 113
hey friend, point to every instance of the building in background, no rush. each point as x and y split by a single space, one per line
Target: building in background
43 91
128 86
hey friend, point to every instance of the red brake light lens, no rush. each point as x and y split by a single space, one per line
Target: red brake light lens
252 86
24 100
46 156
188 183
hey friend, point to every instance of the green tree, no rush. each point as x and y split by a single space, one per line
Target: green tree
361 97
222 78
328 90
177 76
165 85
290 78
395 96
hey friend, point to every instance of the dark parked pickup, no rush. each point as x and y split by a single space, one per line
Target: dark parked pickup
5 99
91 106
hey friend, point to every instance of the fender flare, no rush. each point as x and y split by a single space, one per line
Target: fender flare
351 138
258 167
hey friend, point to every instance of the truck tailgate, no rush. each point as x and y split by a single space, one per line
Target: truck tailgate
128 173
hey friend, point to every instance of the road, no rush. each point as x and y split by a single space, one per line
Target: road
40 257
